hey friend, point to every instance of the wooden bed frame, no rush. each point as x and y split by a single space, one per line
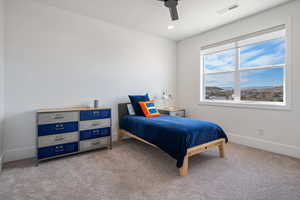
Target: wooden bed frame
183 171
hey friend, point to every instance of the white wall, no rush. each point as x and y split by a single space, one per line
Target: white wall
281 128
55 58
1 78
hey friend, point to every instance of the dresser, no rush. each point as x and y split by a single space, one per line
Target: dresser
67 131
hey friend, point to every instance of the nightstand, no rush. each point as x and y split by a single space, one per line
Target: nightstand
173 111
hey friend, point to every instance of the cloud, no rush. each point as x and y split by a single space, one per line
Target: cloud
267 53
222 61
244 80
220 80
262 78
264 60
250 55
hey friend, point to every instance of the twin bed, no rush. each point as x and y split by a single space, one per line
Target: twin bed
179 137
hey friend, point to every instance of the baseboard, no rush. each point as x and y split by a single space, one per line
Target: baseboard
283 149
1 162
19 154
293 151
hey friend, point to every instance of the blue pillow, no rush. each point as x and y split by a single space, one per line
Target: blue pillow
135 99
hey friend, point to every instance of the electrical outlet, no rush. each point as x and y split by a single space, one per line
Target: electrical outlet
261 132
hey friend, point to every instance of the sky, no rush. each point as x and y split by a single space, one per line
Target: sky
257 55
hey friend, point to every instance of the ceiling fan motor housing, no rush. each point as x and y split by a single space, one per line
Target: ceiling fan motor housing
171 3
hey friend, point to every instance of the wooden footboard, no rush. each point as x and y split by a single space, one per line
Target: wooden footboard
183 171
220 143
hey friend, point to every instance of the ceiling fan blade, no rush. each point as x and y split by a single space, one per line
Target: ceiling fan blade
174 13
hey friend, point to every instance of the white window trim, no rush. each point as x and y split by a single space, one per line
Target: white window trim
286 105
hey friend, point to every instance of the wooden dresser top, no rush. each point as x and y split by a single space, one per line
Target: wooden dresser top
70 109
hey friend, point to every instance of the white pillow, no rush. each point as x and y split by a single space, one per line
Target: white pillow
130 109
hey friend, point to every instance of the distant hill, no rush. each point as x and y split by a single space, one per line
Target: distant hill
261 87
219 88
213 88
264 93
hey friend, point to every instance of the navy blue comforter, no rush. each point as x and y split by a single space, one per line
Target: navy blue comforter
174 135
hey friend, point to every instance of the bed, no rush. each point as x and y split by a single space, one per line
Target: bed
179 137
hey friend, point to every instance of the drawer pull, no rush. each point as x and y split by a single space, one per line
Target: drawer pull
59 127
59 139
58 117
96 143
59 149
95 124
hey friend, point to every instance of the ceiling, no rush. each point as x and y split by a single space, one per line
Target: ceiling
151 16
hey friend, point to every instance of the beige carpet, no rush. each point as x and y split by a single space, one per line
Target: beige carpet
135 171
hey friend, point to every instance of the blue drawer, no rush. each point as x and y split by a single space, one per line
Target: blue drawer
96 133
94 114
57 150
51 129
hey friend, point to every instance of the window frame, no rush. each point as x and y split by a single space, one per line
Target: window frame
237 102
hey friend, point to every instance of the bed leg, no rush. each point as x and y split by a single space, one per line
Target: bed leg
222 149
183 171
120 135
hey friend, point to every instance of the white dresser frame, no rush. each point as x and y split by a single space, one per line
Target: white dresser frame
63 110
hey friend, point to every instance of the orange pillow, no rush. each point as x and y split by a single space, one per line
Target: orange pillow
149 109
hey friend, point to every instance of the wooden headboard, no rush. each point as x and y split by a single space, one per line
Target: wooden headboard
122 110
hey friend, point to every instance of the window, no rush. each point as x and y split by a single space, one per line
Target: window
248 70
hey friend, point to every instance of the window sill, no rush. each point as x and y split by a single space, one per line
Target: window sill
250 105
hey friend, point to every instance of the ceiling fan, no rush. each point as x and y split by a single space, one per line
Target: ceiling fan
172 5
